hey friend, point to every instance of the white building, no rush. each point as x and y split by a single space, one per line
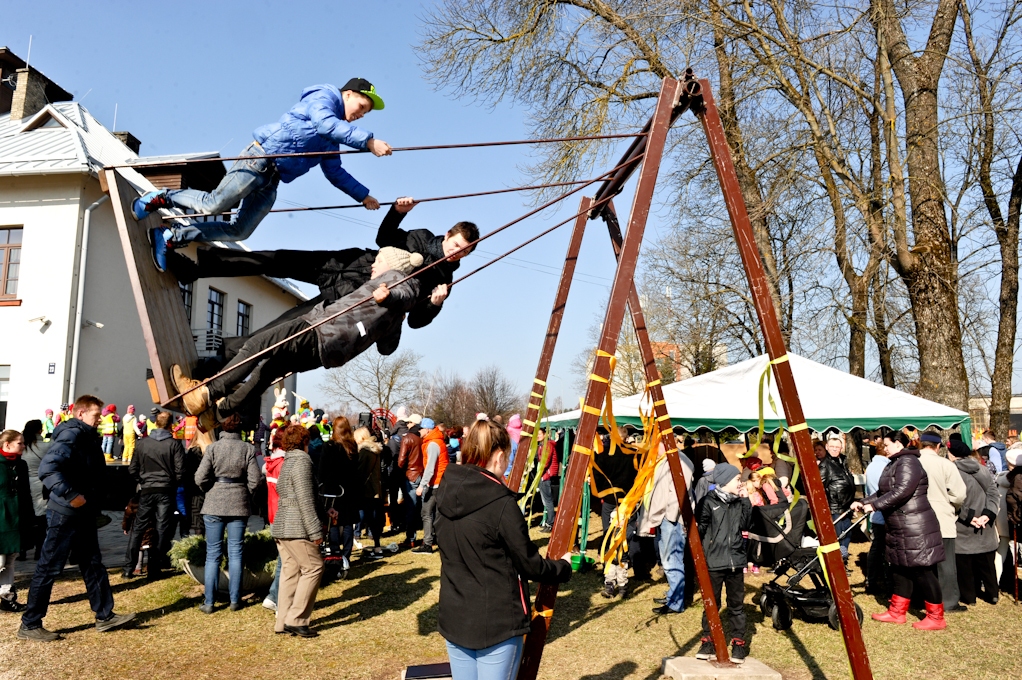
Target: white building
51 150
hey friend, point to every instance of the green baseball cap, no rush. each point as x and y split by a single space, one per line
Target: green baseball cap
363 86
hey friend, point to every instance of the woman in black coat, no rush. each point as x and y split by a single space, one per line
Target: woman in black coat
914 546
486 559
342 493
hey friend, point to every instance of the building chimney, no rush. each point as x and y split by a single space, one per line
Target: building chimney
129 140
29 93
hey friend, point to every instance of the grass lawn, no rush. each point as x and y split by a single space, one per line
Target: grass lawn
384 617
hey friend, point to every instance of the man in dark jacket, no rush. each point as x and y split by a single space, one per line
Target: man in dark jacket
72 472
339 272
723 516
840 487
393 476
319 338
158 467
409 462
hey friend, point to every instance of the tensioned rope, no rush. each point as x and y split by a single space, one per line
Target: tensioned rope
344 152
606 175
430 199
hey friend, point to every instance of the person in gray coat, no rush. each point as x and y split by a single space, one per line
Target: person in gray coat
976 543
316 339
228 474
298 531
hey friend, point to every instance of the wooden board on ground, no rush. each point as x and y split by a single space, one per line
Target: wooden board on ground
165 327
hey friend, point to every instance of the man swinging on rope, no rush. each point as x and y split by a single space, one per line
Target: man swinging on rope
334 343
321 121
338 272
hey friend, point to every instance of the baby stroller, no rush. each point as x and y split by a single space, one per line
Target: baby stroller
780 538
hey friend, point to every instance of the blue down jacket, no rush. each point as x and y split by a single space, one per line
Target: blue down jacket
315 123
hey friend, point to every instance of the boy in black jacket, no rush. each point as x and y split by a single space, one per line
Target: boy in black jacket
723 516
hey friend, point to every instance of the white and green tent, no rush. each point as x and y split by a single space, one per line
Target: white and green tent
730 398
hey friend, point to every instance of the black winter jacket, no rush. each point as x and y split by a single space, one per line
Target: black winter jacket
74 465
486 559
1013 497
338 476
159 463
838 483
722 519
913 533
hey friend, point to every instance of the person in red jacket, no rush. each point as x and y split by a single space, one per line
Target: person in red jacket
271 468
435 459
550 482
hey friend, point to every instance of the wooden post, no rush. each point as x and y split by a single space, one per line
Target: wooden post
596 391
529 423
663 419
797 428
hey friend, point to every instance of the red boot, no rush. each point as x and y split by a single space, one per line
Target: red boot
895 612
934 618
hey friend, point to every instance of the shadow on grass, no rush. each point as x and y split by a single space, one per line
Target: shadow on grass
618 671
683 649
377 595
122 587
574 607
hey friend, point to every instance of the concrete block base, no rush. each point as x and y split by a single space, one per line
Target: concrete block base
690 668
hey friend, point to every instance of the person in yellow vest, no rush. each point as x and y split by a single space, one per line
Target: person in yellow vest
129 433
151 424
108 430
435 459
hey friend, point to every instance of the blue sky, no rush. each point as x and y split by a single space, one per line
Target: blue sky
202 76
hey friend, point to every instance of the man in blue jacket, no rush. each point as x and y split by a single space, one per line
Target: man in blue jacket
72 474
321 121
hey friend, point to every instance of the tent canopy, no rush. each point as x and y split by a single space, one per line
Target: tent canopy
729 398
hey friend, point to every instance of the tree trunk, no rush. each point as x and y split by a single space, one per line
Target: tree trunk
857 327
1004 357
881 334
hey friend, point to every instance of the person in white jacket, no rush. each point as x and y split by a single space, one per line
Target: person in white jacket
946 493
663 519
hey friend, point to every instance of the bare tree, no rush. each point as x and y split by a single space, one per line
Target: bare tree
450 400
372 380
495 393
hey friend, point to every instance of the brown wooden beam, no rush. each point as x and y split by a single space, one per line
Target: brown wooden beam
797 429
529 423
596 392
663 420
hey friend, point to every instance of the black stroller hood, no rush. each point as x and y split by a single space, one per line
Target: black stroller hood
776 532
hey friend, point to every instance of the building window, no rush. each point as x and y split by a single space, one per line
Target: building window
187 290
5 381
215 310
10 261
244 318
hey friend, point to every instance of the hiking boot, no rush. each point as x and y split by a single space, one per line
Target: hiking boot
158 241
115 621
609 590
622 591
739 650
150 202
39 634
12 605
197 401
706 649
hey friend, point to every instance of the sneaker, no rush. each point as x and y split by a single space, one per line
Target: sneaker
12 605
391 547
544 529
158 240
235 606
423 549
659 600
115 621
373 555
150 202
609 590
357 544
706 650
39 634
128 573
739 650
270 604
208 608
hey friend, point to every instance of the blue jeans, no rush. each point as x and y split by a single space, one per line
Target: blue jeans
275 586
65 533
413 515
108 443
840 527
253 182
499 662
670 538
214 551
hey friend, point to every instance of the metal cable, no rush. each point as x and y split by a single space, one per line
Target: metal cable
496 231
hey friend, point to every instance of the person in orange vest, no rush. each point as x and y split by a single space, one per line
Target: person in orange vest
435 458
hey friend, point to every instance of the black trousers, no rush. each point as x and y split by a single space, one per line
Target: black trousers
876 561
977 576
295 356
734 580
153 509
335 272
921 580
